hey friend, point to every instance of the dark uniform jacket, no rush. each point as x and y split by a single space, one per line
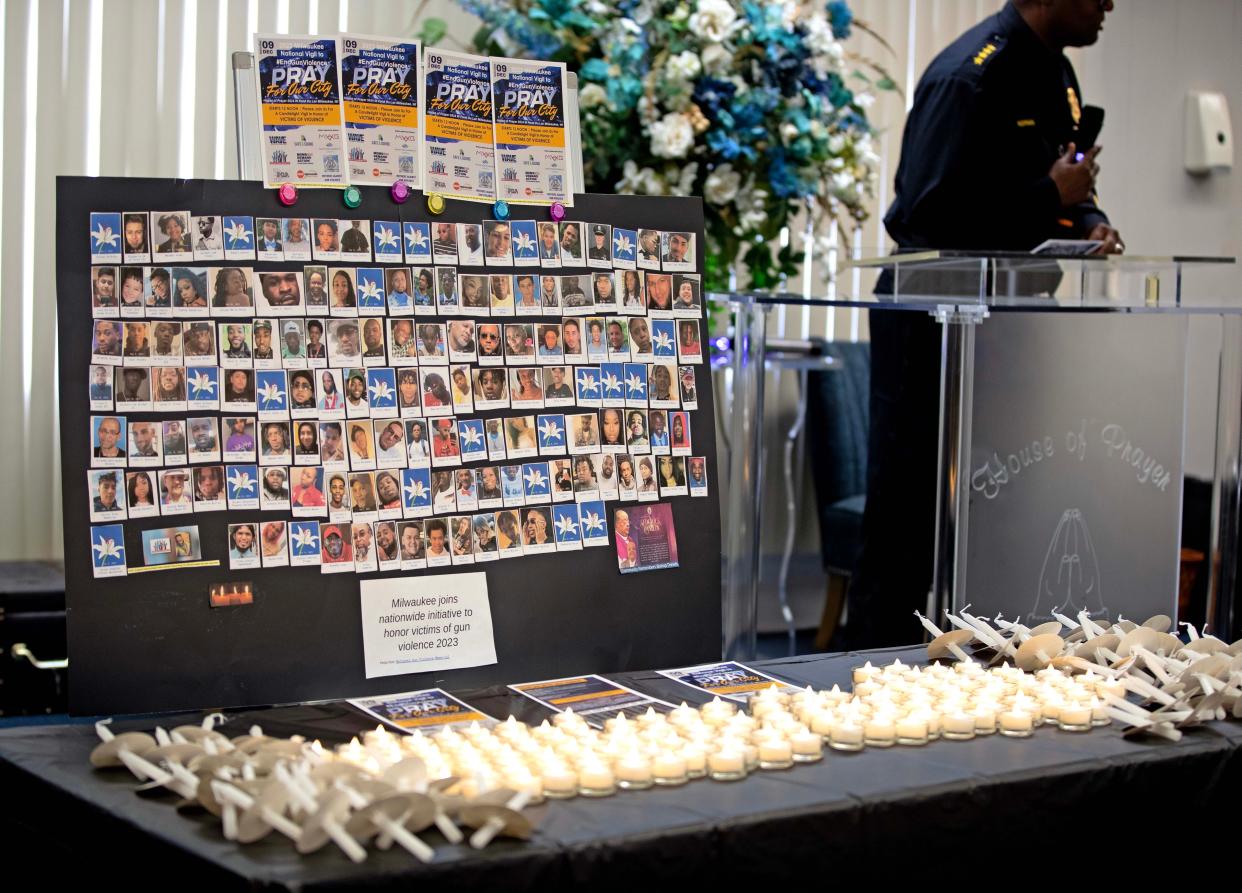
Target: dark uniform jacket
990 116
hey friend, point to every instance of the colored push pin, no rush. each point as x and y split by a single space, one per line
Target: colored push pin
288 194
352 196
436 203
399 192
557 212
500 210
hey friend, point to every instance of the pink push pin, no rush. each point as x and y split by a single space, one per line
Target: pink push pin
288 194
399 191
557 212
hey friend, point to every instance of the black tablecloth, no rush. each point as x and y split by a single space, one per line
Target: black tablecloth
880 812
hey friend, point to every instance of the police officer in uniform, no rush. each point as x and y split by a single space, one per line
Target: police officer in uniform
989 162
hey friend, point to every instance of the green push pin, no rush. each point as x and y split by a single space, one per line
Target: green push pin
352 196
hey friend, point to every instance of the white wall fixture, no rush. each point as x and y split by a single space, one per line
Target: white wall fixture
1209 135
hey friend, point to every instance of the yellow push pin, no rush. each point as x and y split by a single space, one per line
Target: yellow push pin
436 203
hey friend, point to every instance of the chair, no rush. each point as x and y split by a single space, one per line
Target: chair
837 426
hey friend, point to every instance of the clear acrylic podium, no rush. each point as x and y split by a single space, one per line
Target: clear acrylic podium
1074 325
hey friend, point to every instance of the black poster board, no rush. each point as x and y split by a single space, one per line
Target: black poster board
151 642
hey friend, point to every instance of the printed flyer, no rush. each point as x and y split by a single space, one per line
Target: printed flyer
300 110
731 680
459 151
379 86
532 164
430 708
593 697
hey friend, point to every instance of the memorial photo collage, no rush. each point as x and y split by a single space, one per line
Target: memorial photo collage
418 394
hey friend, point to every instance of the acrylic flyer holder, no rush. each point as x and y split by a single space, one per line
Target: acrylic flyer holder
147 638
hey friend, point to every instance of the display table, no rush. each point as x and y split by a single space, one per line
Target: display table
1062 799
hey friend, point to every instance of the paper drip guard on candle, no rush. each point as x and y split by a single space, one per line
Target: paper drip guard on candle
1106 642
950 644
491 819
1038 651
392 816
1161 623
325 825
265 814
108 752
122 753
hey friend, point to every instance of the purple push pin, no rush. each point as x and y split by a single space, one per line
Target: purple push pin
557 212
288 195
399 191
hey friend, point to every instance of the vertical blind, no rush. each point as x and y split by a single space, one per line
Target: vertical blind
143 88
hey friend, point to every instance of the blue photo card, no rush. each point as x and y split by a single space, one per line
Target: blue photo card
536 480
382 389
386 241
105 237
418 243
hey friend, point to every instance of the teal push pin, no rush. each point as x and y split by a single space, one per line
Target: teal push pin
500 210
352 196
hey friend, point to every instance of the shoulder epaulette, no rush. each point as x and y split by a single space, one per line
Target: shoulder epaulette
978 62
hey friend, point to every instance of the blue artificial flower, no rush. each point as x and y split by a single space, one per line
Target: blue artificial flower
814 84
783 178
852 120
838 94
768 30
720 142
624 92
782 72
537 40
712 95
840 17
754 14
560 12
751 111
594 70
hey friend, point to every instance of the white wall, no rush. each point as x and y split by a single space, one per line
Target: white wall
1151 53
